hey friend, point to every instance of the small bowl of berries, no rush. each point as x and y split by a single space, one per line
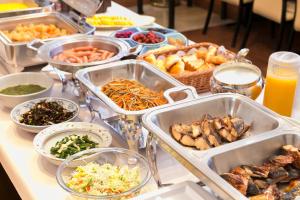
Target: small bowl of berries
149 38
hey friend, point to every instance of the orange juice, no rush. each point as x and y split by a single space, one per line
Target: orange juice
281 82
280 90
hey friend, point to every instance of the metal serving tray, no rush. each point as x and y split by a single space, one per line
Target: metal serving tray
16 54
95 77
35 8
186 190
255 152
254 114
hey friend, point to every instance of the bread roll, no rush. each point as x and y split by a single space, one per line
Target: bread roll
171 60
177 68
218 59
211 52
150 59
201 53
160 64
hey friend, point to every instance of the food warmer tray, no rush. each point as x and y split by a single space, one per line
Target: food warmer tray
253 152
186 190
16 54
264 123
45 7
95 77
129 122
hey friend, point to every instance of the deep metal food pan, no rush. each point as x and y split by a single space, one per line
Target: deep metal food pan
33 8
258 117
48 50
16 54
243 154
95 77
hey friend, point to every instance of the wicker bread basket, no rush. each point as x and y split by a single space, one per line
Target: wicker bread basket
198 79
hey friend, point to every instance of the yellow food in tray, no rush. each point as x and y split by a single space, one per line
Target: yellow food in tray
29 32
12 6
105 20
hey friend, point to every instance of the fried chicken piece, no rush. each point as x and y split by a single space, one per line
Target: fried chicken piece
238 181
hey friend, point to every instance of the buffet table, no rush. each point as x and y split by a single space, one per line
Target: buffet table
34 177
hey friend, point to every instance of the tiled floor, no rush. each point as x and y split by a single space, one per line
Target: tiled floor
187 18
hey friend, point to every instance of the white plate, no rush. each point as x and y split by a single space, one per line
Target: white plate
22 108
183 191
48 137
142 20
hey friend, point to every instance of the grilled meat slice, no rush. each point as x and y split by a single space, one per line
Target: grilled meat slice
238 124
227 122
176 131
217 124
187 141
257 171
186 129
201 143
196 130
293 174
293 151
213 141
239 182
241 171
253 189
208 133
277 175
205 127
281 160
225 134
261 184
271 193
234 133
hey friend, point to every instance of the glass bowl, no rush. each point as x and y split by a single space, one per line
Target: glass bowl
159 44
114 156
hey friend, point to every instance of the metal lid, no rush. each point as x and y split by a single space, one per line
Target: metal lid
85 7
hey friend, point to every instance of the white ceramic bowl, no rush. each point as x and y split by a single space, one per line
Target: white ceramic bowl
37 78
48 137
22 108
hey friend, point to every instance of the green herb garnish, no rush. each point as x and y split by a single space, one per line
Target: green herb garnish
72 144
46 113
22 89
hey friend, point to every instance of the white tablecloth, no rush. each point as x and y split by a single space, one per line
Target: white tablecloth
34 177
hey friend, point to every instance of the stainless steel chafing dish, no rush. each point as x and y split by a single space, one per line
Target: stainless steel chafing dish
34 7
253 152
15 55
260 118
264 123
95 77
47 51
129 122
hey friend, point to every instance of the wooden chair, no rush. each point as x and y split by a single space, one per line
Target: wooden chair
242 4
296 26
278 11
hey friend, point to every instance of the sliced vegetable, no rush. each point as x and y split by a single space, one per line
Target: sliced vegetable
72 144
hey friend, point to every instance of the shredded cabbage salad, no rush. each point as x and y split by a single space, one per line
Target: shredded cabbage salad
106 179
